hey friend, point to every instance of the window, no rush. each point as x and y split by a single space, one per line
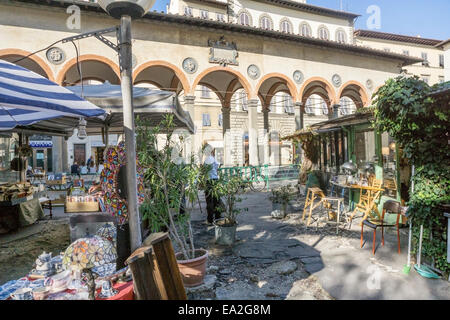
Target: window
324 108
323 33
305 30
265 23
220 17
341 37
205 92
309 108
285 26
206 120
244 19
243 100
288 104
204 14
220 120
406 52
188 11
441 60
426 78
387 49
441 79
425 59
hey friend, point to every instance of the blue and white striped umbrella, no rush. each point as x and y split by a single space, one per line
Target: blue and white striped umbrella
27 98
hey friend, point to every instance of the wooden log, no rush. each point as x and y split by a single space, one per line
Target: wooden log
142 268
166 266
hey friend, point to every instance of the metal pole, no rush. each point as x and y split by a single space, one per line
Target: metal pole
128 127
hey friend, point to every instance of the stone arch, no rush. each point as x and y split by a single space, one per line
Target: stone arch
291 26
250 18
265 15
355 91
304 23
336 38
274 83
227 87
87 58
174 78
322 26
320 87
5 53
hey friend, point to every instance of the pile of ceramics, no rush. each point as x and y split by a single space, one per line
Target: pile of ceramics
56 281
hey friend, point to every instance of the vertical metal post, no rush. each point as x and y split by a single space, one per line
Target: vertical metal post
128 127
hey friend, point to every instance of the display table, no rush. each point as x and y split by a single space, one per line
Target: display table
21 213
125 291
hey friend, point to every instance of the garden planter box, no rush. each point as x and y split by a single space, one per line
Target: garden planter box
193 270
224 234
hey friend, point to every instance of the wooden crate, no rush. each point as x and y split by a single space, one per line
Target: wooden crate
56 182
71 207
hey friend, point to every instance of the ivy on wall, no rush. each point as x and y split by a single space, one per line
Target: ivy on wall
407 110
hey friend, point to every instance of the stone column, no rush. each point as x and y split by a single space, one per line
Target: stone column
190 142
253 132
299 124
226 129
334 111
266 136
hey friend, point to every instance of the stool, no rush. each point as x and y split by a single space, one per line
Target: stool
311 196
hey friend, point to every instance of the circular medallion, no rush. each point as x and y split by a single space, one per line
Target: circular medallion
336 79
369 84
190 65
253 71
56 55
298 76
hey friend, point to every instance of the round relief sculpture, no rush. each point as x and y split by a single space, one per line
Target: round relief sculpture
56 55
190 65
337 81
298 76
253 71
369 84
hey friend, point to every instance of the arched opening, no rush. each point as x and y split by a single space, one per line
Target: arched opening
32 63
316 88
163 75
353 96
231 92
91 71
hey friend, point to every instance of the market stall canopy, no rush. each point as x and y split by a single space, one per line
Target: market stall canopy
30 102
149 104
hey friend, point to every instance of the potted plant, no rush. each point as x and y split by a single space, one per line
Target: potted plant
171 182
280 199
229 189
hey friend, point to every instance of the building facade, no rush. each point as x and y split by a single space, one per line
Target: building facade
272 66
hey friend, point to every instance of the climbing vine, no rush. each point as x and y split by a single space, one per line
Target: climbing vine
406 108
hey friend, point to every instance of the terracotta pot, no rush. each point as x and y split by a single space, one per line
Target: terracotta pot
193 270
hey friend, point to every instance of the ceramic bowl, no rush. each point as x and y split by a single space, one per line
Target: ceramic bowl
22 294
59 280
40 293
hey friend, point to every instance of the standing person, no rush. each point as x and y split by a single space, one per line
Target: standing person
100 168
88 163
75 169
212 202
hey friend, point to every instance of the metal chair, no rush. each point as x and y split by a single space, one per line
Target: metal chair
389 207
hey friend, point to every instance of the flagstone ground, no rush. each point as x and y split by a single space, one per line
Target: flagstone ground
272 259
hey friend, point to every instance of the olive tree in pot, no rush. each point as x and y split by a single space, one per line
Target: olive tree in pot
229 189
280 199
170 183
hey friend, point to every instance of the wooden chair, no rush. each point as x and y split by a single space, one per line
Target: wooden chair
312 195
389 207
367 201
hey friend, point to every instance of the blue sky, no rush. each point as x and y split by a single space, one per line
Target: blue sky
427 18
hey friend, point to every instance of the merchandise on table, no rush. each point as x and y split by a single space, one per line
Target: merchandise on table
15 191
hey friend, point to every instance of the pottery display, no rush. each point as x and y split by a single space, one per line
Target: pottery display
40 293
58 282
44 265
107 290
22 294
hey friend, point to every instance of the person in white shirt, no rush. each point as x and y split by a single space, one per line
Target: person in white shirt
100 168
212 202
92 167
84 168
